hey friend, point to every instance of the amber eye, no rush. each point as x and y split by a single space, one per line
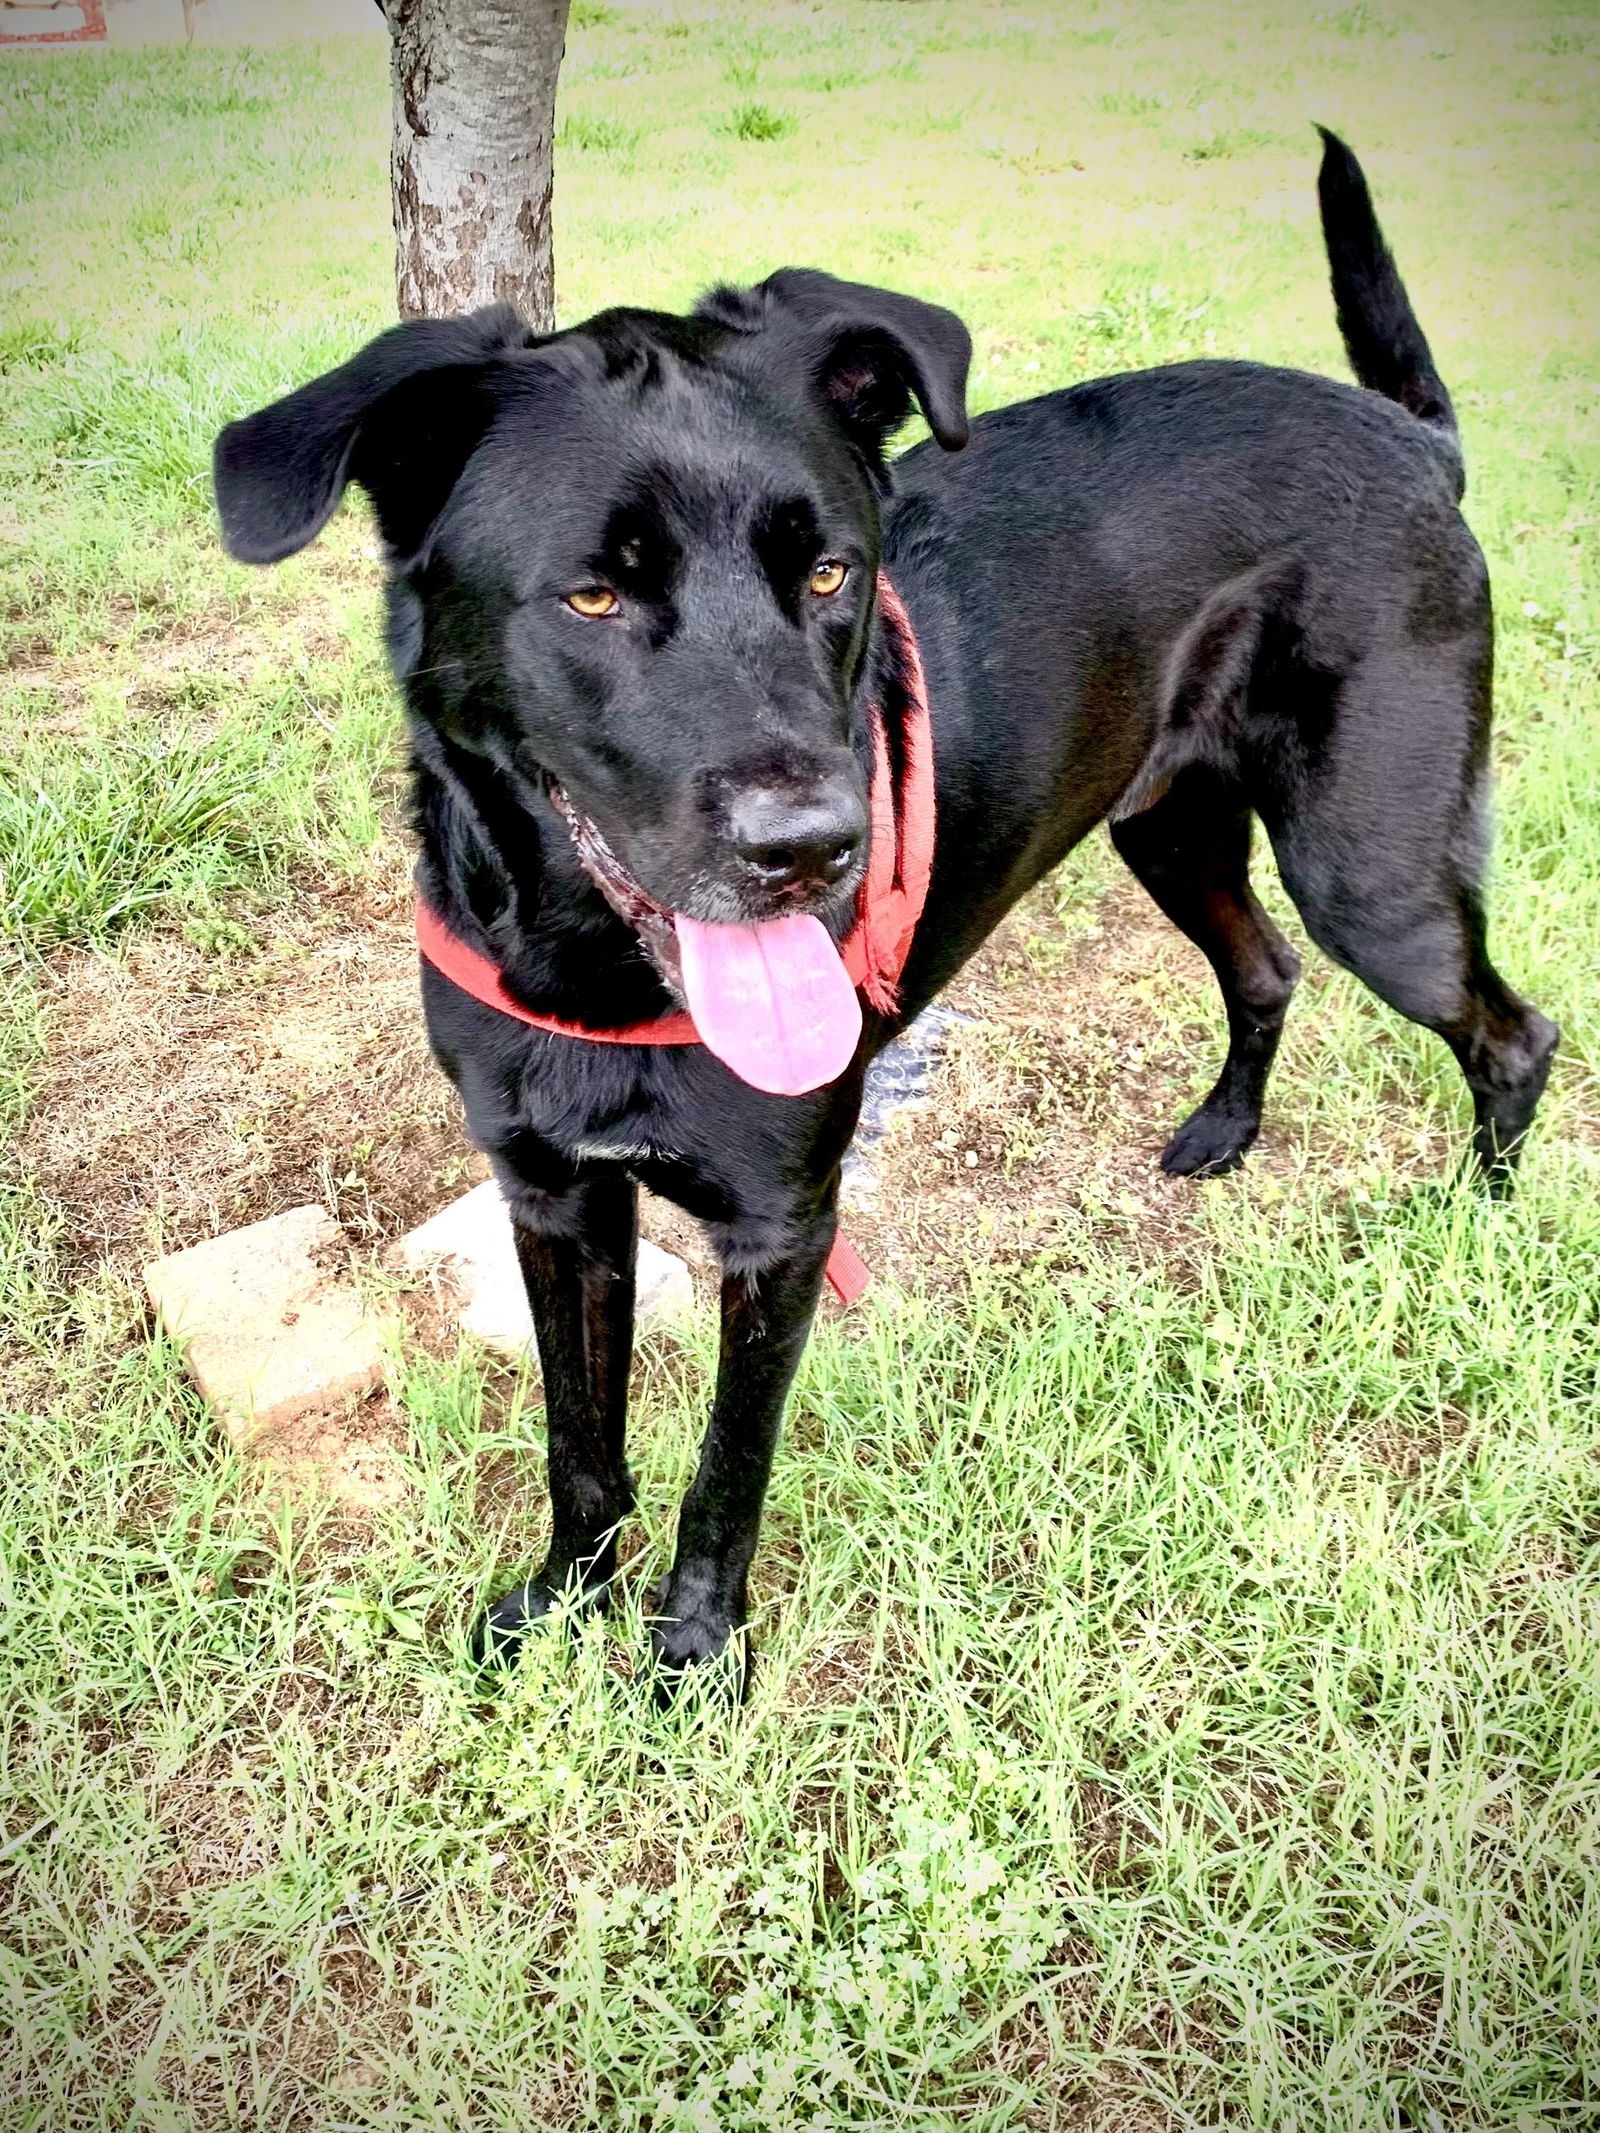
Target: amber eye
594 601
827 578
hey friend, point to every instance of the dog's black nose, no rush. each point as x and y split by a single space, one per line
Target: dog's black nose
797 844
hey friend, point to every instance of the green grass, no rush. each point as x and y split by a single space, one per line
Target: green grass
1178 1697
758 122
601 136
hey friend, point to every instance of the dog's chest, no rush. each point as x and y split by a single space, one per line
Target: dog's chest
589 1112
545 1105
620 1143
643 1111
670 1117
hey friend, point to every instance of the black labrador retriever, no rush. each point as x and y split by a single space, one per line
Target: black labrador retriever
633 604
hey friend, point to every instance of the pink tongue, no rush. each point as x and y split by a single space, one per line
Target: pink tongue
774 1001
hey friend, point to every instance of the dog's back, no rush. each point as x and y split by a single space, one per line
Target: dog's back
1202 526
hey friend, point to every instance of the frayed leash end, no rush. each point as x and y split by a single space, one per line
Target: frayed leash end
881 991
847 1272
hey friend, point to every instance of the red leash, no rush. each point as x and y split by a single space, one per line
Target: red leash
899 866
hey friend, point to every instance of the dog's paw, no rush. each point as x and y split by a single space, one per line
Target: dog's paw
706 1649
1209 1144
497 1640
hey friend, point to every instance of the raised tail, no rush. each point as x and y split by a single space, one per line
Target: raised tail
1388 350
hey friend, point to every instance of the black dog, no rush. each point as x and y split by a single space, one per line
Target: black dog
632 605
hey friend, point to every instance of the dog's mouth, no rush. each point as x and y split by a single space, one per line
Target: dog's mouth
652 922
771 998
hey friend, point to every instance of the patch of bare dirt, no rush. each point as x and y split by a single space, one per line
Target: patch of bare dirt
834 1676
185 1094
1091 1038
1410 1451
355 1454
196 659
1053 1102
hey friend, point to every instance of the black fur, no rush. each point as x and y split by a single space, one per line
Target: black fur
1386 346
1181 599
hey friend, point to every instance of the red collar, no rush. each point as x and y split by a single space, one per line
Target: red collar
899 864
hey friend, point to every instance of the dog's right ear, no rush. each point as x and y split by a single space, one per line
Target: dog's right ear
401 418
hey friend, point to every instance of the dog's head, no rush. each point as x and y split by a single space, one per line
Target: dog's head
632 564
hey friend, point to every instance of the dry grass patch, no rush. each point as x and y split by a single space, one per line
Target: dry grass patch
184 1093
1053 1103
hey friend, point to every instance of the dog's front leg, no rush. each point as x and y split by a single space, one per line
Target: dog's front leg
766 1316
577 1250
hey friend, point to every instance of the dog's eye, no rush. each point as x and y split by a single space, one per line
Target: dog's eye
594 601
827 578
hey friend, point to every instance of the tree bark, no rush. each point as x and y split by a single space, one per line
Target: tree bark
474 114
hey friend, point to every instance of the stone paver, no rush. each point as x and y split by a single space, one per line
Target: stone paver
271 1327
470 1242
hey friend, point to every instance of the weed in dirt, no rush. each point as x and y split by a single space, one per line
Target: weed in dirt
758 122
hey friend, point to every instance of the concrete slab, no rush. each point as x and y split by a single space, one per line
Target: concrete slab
46 25
469 1243
271 1326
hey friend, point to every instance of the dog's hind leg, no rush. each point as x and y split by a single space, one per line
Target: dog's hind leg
1384 871
577 1250
1504 1048
1424 955
1191 850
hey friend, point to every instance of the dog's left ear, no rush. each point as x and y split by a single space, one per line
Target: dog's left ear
870 351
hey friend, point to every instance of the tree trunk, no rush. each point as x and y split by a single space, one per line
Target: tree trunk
474 113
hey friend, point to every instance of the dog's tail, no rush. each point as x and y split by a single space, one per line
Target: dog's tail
1388 350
